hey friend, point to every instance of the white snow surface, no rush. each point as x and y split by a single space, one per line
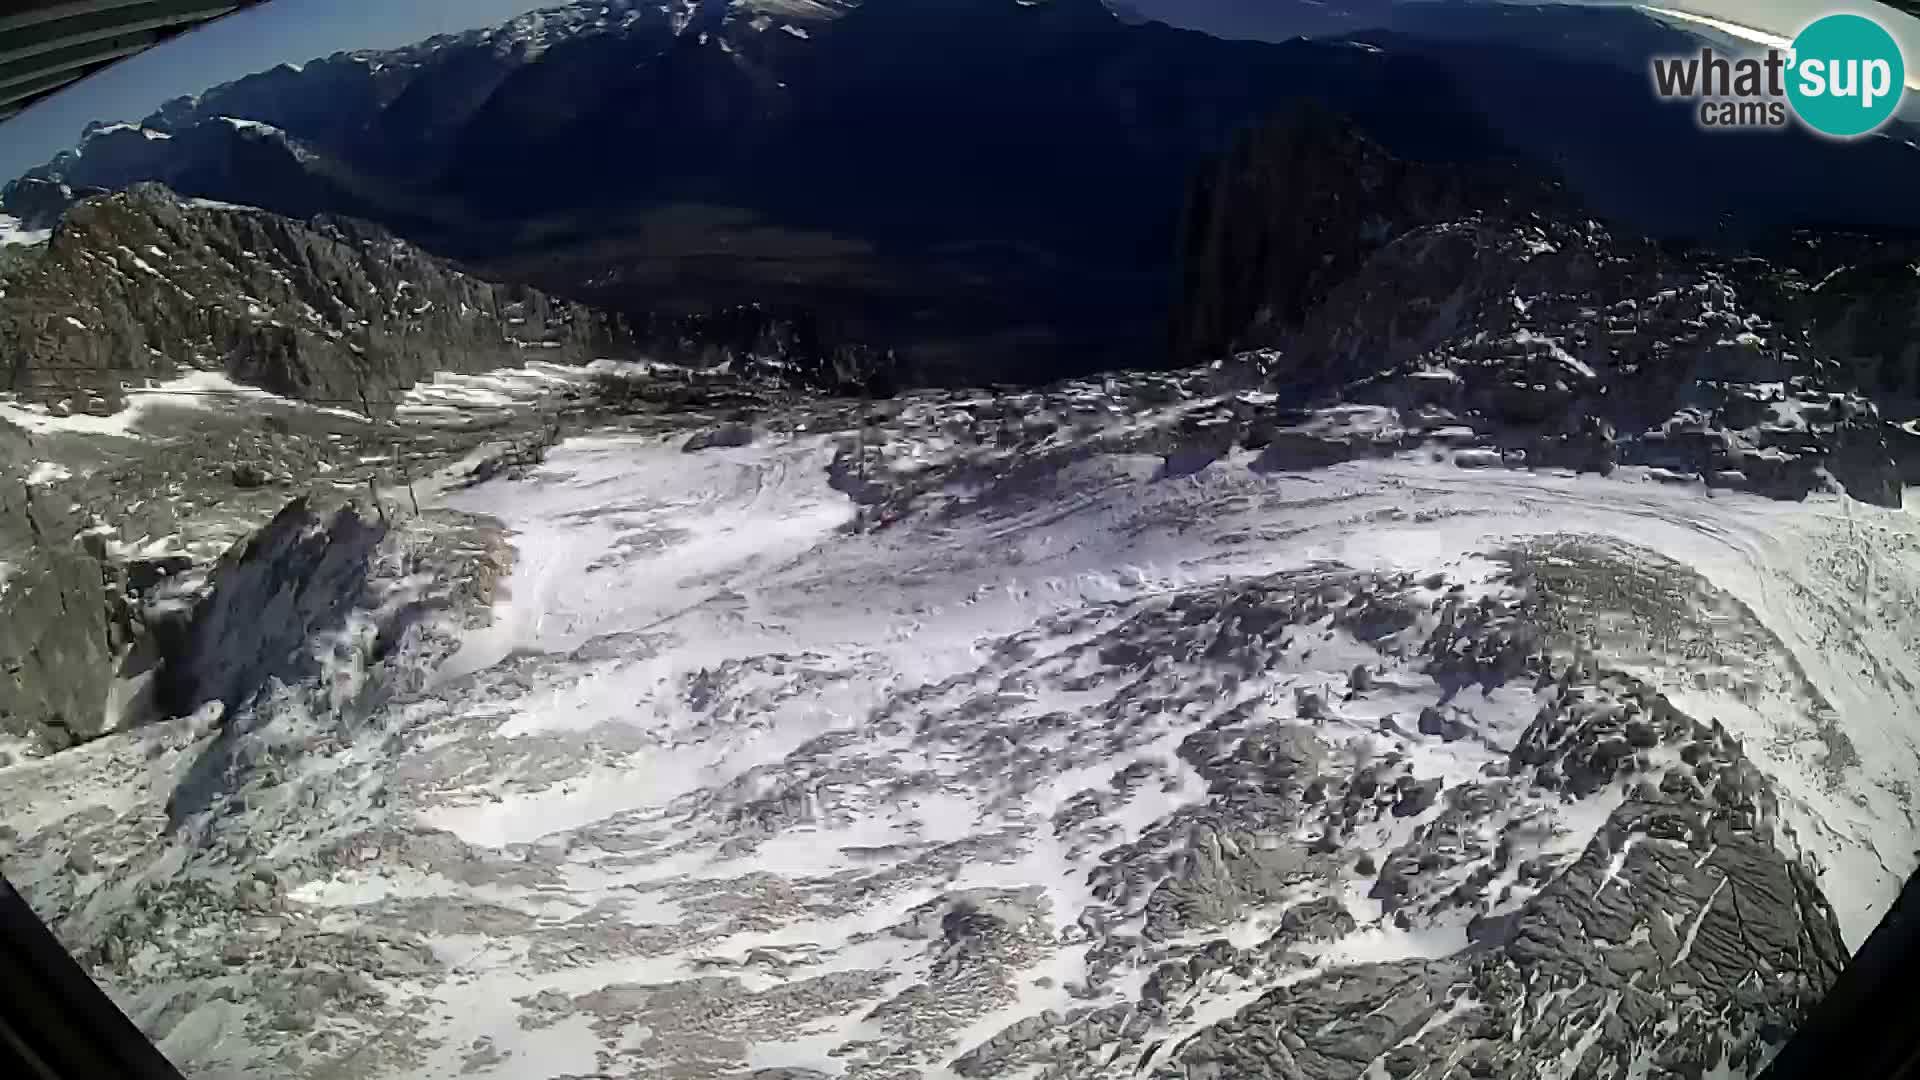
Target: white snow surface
150 134
689 644
191 391
13 233
252 127
455 400
47 472
216 204
753 526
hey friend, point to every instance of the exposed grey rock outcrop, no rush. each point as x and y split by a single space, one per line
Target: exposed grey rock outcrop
266 599
89 643
726 435
1643 948
64 620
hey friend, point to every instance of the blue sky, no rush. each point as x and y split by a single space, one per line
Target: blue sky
253 40
298 30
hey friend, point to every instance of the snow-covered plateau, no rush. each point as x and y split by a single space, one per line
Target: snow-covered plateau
1118 764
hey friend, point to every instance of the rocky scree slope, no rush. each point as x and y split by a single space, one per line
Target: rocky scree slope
1321 822
1488 308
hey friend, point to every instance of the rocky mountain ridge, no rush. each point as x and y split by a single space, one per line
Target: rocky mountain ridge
1490 306
142 285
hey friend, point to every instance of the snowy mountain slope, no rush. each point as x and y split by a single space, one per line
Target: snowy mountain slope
1300 714
1117 764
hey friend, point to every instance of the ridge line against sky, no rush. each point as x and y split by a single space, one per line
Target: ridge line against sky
295 31
254 39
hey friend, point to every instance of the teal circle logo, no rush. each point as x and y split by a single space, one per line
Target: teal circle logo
1846 75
